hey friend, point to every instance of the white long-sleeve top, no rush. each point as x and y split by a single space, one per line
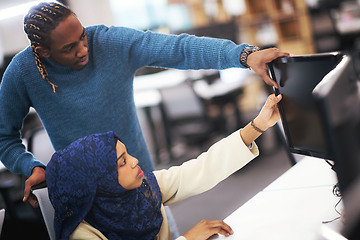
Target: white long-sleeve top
191 178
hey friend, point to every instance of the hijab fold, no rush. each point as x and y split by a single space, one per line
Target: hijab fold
83 184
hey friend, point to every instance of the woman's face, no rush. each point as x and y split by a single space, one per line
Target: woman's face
130 175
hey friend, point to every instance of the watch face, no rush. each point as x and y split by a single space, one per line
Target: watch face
254 48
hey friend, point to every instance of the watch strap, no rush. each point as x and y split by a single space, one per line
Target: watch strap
245 53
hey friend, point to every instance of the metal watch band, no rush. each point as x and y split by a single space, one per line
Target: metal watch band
245 53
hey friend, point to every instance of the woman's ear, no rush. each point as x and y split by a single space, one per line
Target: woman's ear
42 51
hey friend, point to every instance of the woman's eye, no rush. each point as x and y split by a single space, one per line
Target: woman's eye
123 163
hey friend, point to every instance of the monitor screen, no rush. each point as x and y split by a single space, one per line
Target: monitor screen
297 76
320 112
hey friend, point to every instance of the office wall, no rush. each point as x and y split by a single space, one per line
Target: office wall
12 35
90 12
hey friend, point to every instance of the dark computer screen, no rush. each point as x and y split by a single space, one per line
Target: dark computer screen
320 112
297 76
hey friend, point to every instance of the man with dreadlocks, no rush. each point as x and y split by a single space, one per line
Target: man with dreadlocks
72 76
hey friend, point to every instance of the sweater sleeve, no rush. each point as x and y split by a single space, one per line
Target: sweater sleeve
184 51
14 105
190 52
203 173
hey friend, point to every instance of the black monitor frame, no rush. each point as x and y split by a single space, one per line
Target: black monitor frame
336 98
303 71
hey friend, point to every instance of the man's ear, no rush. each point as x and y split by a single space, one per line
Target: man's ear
42 51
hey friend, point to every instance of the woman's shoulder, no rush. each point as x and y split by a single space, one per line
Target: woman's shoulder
85 231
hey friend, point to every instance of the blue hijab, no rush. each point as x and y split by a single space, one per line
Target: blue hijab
83 184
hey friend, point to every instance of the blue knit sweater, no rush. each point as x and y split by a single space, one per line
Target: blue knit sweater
98 98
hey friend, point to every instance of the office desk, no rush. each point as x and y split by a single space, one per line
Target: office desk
167 78
309 172
145 100
147 96
222 93
292 207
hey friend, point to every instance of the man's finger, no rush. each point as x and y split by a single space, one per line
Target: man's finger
26 191
270 81
33 201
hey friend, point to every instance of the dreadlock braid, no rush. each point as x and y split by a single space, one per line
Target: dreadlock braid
38 24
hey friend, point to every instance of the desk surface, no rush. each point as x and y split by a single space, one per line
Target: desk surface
147 98
218 88
309 172
167 78
293 207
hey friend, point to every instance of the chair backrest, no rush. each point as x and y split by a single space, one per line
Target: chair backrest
186 116
2 217
47 210
36 138
181 103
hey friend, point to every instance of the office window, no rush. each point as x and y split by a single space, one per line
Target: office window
150 14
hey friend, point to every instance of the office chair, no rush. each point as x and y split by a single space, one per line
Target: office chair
36 139
2 217
10 182
47 209
327 38
185 117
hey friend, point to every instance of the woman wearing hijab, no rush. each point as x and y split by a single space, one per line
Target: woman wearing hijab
99 192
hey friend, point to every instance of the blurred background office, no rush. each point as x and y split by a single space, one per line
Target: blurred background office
183 112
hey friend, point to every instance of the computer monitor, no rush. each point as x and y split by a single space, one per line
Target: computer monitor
297 76
320 112
320 109
337 97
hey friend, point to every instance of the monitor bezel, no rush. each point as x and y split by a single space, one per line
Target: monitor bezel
301 58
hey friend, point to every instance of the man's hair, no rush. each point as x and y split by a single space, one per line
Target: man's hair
38 24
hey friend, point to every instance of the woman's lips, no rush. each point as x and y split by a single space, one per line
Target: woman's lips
140 174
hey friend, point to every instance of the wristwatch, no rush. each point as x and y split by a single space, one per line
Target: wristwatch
245 53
